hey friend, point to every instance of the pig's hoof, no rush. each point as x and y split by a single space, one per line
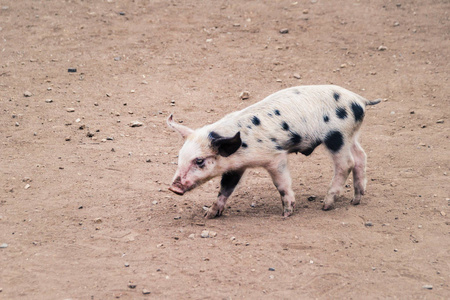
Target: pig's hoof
355 201
211 214
287 212
327 207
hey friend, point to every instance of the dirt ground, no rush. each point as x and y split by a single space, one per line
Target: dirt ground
85 212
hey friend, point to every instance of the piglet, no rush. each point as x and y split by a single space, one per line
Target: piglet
292 120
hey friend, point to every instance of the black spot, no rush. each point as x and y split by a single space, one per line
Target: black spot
336 96
256 121
229 181
282 193
269 114
249 127
244 145
259 140
278 147
326 119
341 112
213 135
295 138
297 92
285 126
358 111
277 112
334 140
311 148
273 139
239 125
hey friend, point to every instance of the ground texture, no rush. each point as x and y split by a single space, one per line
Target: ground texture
85 212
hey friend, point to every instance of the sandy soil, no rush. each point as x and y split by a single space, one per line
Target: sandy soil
85 212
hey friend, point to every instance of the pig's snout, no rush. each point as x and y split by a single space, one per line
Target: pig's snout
176 190
177 187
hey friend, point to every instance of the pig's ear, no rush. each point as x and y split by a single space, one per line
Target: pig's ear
226 146
181 129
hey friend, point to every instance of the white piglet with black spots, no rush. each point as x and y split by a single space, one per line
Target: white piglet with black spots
296 119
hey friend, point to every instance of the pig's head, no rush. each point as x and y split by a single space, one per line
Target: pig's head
201 157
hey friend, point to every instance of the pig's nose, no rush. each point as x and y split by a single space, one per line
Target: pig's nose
176 189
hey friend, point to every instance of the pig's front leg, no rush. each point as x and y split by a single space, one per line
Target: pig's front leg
281 178
227 184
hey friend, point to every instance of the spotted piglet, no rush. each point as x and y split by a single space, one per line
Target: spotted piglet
296 119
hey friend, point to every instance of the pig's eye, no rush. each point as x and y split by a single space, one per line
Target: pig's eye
199 162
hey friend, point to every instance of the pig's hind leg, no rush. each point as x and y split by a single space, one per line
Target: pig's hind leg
281 178
227 185
359 171
343 165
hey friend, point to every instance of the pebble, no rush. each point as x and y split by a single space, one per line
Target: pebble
312 198
145 292
27 94
136 124
284 31
48 100
126 265
131 285
244 95
72 70
443 213
297 76
117 58
98 220
368 224
271 269
396 24
427 286
208 234
27 186
155 202
4 245
192 236
70 109
382 48
440 121
17 124
68 138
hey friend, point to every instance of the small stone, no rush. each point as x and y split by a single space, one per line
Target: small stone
131 285
70 109
427 287
17 124
297 76
312 198
205 234
253 204
4 245
126 265
232 238
271 269
72 70
396 24
27 186
155 202
148 160
177 217
145 292
443 213
27 94
48 101
395 250
136 124
440 121
159 245
192 236
284 31
412 112
382 48
117 58
368 224
244 95
98 220
343 66
67 139
306 11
